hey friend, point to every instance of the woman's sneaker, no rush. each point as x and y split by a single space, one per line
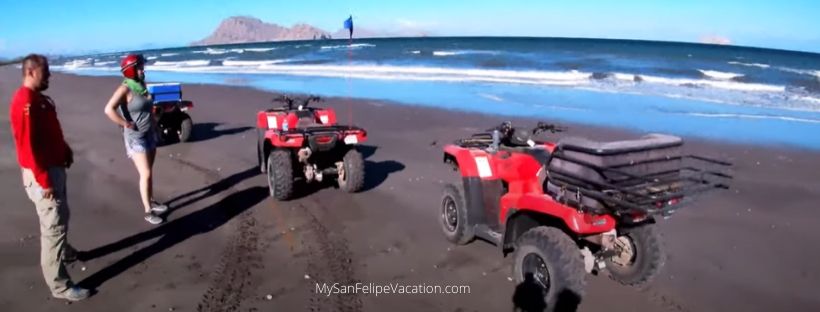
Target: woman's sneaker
152 218
158 208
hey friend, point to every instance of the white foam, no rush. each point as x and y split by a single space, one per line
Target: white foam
808 99
726 85
712 90
345 46
169 54
212 51
188 63
400 73
151 58
759 65
415 52
752 116
78 63
491 97
444 53
103 63
626 77
260 49
463 52
809 72
719 75
252 63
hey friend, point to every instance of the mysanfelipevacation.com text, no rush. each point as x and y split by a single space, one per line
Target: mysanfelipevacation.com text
330 289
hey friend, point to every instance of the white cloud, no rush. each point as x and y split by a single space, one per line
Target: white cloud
413 27
715 39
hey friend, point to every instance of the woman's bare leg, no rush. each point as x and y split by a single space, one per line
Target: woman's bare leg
142 162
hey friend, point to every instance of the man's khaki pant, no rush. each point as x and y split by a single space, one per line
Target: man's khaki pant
53 215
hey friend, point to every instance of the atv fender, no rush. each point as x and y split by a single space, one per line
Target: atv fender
521 213
471 163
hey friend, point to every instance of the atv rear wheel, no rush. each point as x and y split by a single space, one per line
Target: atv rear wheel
351 171
640 256
186 125
280 174
453 216
547 259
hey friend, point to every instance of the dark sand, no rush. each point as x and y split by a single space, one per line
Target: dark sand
227 246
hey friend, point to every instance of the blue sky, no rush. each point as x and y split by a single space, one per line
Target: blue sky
68 27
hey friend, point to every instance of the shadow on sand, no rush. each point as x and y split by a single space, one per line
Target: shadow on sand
208 130
172 233
529 297
191 197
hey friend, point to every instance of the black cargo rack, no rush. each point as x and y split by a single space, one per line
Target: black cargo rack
633 187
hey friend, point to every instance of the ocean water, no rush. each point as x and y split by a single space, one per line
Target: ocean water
746 95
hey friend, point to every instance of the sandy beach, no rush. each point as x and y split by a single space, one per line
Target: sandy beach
227 246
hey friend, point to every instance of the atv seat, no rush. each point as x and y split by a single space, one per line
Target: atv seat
616 162
637 164
648 142
306 119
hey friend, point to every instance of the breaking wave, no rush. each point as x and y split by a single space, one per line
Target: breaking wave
719 75
465 52
758 65
345 46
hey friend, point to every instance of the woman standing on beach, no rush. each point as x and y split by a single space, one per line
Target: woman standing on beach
131 107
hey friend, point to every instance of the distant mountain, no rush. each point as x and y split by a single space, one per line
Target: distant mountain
243 29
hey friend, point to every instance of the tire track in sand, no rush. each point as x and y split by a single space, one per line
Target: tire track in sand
231 278
329 261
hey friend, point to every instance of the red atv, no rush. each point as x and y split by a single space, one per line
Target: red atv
571 207
305 144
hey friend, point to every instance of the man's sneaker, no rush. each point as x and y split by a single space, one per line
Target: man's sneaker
74 294
158 208
153 219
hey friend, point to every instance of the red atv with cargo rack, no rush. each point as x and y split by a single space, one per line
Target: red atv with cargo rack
571 207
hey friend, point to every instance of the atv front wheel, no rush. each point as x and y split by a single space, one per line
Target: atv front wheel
547 259
186 125
280 174
454 222
640 256
351 173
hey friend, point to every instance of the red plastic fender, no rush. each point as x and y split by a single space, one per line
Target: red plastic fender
471 162
326 116
576 221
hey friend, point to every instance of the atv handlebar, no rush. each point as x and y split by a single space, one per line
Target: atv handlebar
507 135
301 101
506 128
541 127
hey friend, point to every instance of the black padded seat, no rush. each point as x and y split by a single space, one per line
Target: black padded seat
306 119
647 142
584 163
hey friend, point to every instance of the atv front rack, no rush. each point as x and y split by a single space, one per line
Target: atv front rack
651 180
319 129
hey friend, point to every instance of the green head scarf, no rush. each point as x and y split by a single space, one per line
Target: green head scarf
135 86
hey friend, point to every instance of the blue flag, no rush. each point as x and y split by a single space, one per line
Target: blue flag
349 25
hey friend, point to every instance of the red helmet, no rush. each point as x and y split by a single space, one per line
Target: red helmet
129 65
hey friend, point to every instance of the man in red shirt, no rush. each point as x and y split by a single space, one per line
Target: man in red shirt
43 156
